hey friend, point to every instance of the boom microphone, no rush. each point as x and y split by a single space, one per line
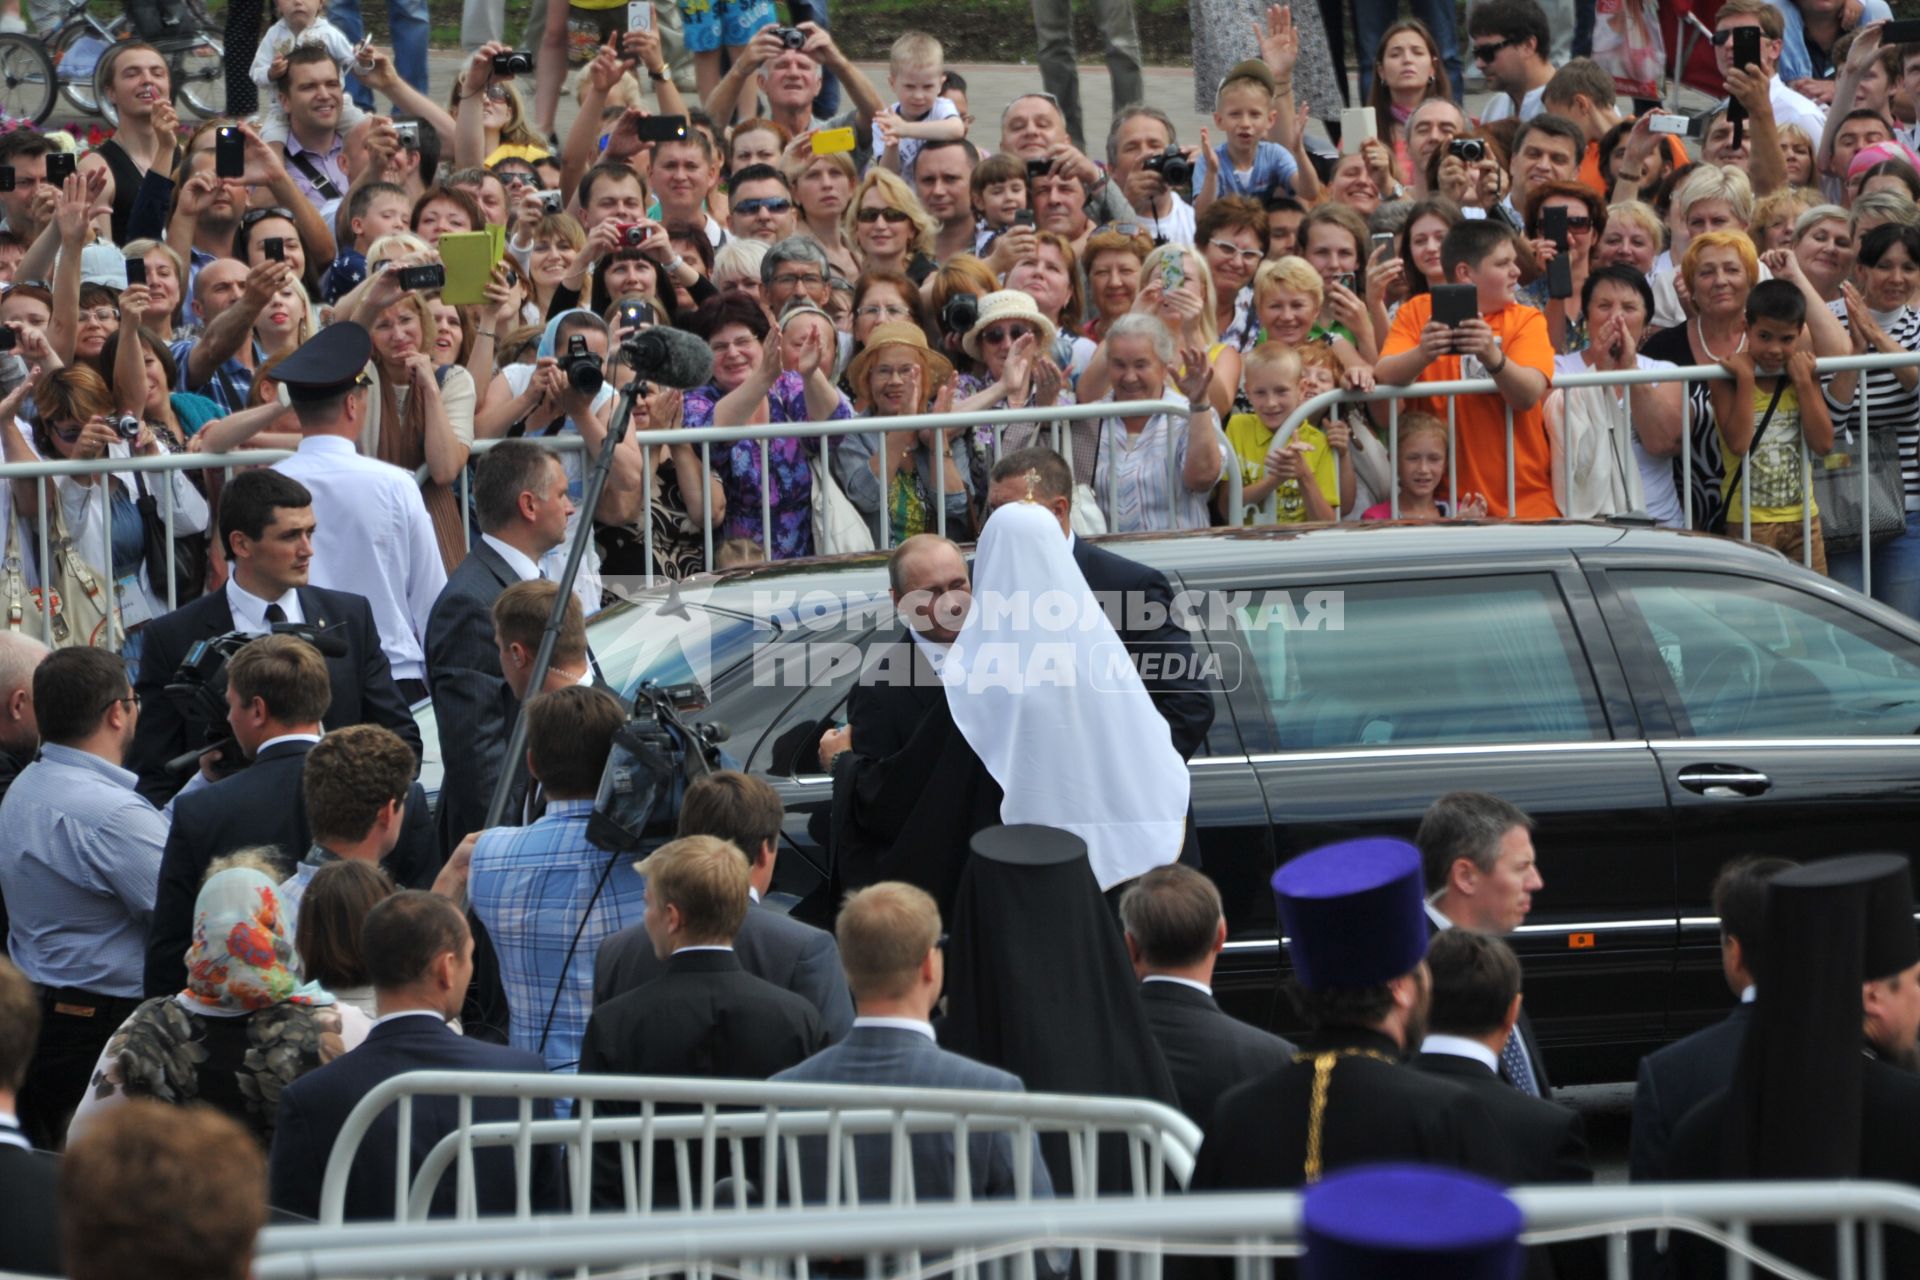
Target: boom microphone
669 357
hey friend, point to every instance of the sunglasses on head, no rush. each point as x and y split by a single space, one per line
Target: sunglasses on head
770 204
254 217
895 216
1131 230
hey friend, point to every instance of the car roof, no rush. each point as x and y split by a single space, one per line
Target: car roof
1367 546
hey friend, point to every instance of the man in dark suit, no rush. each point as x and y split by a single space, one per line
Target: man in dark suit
1476 851
892 1044
420 956
30 1242
520 500
1476 1002
277 692
1674 1080
1175 929
1138 600
266 525
1351 914
744 811
705 1016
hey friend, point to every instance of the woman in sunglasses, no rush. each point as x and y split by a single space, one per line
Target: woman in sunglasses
1012 339
504 129
889 229
1586 223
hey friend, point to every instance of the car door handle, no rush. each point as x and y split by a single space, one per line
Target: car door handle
1723 780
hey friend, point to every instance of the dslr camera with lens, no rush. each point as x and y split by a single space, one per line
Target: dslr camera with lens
584 371
960 313
1173 167
1471 150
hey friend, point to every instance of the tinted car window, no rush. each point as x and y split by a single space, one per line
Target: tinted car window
1750 659
1388 664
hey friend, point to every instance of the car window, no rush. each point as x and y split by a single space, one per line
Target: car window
1750 659
1447 661
670 642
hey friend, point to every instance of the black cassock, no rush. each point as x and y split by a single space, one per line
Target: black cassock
1376 1110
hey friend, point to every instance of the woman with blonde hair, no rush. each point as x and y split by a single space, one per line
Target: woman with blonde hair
420 414
166 283
557 241
1177 287
1796 144
492 110
736 268
888 228
1771 226
822 194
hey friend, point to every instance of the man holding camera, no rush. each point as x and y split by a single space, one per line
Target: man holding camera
790 62
267 527
1141 146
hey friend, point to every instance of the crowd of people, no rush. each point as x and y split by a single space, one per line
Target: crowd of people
222 884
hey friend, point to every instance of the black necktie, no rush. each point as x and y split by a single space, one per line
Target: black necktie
275 614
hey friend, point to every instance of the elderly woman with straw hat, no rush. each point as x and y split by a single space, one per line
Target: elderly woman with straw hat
890 476
1013 340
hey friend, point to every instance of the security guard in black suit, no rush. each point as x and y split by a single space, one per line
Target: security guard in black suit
1356 934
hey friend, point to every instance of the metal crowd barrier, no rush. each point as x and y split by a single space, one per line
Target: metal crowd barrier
1250 1229
1160 1142
1622 378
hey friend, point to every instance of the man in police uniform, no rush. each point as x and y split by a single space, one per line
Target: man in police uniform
1356 926
372 534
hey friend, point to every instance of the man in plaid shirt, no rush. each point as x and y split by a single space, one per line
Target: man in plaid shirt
545 895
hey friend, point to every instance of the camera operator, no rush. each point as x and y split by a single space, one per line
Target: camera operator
277 693
266 526
1146 162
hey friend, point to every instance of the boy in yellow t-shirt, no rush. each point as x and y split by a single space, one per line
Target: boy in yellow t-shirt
1770 471
1304 475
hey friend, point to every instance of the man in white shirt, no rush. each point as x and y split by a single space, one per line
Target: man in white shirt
372 533
1512 42
1789 107
1139 133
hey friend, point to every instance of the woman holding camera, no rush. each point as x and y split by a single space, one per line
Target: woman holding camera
76 419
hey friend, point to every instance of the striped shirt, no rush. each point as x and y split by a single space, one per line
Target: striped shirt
79 865
530 886
1889 405
1134 477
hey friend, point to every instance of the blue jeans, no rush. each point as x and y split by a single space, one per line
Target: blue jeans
1371 18
410 27
1896 569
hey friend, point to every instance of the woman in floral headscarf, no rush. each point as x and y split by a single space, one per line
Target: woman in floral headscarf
244 1028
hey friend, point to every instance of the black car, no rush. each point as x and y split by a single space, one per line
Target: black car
1659 702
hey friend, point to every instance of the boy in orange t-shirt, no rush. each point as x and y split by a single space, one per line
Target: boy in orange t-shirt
1506 342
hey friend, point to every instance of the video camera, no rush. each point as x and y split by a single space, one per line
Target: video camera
201 683
656 755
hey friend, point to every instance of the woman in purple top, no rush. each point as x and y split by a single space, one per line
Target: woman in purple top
754 381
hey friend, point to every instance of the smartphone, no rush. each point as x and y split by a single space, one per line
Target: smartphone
8 182
1455 304
662 128
1560 277
229 152
1023 218
1038 169
1173 273
635 313
1904 31
136 271
832 142
8 338
1553 226
1347 280
363 54
468 259
1381 240
431 276
60 166
639 15
1661 122
1357 125
1746 47
276 249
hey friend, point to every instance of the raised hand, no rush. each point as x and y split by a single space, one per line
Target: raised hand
1195 376
1279 42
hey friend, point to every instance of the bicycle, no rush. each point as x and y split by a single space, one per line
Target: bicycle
186 38
26 79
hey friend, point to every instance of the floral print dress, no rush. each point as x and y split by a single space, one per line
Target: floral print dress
789 469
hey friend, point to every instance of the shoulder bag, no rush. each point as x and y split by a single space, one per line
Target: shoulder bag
79 601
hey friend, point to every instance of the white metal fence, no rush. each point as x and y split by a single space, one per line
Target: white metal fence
1056 424
1251 1229
679 1126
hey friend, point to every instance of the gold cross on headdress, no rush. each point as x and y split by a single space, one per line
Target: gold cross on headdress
1033 481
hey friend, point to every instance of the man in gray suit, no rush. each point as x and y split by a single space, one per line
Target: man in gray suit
520 499
772 945
890 947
